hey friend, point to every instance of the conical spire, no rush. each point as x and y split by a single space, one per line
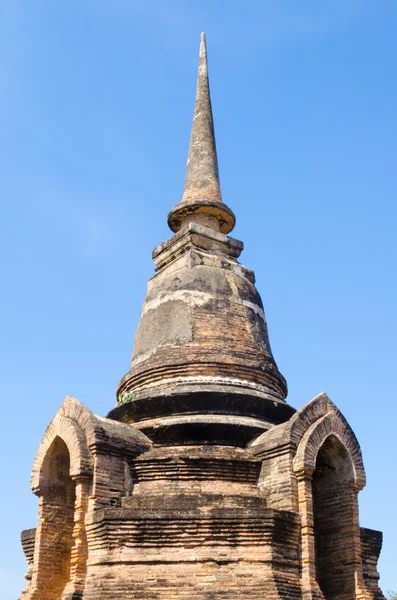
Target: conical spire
202 199
202 176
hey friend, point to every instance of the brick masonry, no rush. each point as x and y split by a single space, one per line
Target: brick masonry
120 517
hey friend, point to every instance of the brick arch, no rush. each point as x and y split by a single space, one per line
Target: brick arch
62 509
318 407
313 439
73 436
85 419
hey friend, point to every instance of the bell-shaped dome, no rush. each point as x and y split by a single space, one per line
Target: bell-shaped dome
202 369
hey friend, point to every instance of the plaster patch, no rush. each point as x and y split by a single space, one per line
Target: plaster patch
192 298
170 323
257 309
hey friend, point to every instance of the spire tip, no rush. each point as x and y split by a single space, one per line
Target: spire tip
202 199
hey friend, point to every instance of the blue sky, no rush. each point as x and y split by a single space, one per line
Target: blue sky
96 102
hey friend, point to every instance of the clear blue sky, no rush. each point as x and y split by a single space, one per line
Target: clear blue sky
96 102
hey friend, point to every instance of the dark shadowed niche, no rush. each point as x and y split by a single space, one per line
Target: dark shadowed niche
333 511
57 523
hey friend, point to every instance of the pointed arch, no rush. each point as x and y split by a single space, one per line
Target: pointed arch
313 439
61 477
76 449
329 469
74 439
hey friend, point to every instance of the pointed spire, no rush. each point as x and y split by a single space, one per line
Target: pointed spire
202 199
202 176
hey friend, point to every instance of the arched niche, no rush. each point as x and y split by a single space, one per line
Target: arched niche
62 479
57 506
329 471
334 522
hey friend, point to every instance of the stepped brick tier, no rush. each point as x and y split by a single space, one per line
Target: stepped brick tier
202 482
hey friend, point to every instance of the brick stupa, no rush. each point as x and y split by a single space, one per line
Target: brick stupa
202 483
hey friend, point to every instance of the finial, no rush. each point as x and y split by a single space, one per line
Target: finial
202 199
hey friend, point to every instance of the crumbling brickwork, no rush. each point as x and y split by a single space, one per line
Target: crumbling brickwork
277 519
371 544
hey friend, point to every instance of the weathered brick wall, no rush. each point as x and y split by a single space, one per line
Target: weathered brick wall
193 526
28 537
121 518
193 554
196 580
27 540
371 545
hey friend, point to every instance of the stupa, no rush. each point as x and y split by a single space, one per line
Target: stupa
202 482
